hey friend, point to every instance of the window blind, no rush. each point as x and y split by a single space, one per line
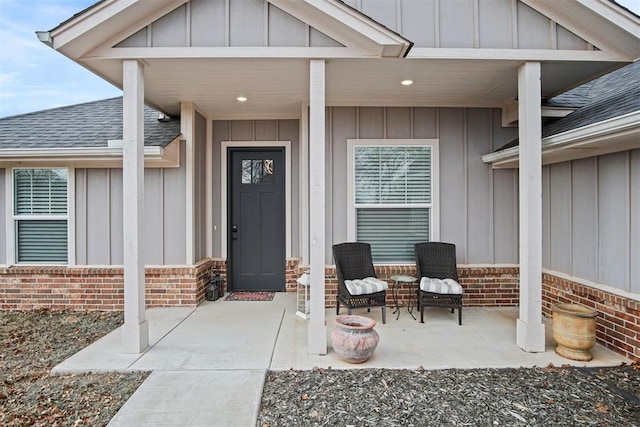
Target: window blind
392 175
40 191
392 198
392 232
39 194
42 241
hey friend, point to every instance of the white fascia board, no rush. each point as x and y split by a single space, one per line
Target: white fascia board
515 54
360 22
605 26
103 21
615 14
348 26
154 156
224 52
548 111
574 138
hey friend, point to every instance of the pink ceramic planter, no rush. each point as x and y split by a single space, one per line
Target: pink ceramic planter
353 337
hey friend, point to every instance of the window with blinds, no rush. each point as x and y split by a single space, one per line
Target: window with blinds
40 215
393 199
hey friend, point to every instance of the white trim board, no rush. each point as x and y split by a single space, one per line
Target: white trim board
90 157
11 218
587 141
434 231
224 188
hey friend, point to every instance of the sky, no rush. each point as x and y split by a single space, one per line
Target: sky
34 77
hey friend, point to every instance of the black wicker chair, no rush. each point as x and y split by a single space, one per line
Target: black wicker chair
353 261
437 260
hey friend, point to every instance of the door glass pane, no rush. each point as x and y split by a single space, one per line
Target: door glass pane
257 171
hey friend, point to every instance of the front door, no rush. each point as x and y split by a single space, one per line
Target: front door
256 229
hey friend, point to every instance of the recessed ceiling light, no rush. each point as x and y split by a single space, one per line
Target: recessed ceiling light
406 82
242 99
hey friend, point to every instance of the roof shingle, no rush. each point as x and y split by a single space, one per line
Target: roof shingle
84 125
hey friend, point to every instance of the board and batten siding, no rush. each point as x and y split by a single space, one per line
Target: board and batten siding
496 24
253 131
591 219
233 23
3 219
478 205
99 216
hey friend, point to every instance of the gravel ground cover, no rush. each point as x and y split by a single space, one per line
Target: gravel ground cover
31 343
478 397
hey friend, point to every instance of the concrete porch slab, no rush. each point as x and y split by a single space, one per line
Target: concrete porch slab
486 339
105 355
219 335
194 398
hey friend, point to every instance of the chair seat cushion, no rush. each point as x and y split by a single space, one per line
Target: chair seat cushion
440 286
368 285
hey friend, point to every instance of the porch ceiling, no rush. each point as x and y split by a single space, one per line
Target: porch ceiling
277 87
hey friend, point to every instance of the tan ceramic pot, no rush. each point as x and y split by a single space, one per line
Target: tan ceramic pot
353 337
574 329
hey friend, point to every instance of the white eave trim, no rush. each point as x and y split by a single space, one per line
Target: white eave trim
348 26
599 22
573 138
145 53
93 157
514 54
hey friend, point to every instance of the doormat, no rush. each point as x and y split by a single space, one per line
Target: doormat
250 296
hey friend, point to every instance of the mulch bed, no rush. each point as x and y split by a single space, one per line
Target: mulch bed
485 397
31 343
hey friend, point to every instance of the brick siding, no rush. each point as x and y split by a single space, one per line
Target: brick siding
486 286
618 321
99 288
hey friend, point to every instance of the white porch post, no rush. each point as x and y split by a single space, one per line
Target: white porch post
317 329
530 329
135 331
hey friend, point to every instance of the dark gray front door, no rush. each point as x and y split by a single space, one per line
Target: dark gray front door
256 219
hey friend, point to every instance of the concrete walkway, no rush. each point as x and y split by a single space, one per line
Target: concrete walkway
208 364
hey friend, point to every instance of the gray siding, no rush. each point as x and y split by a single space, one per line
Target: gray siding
497 24
3 219
590 216
210 23
174 201
428 23
478 206
256 130
99 216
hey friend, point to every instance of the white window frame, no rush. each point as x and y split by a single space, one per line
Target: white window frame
12 218
434 206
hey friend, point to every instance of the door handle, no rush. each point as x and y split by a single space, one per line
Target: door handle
234 230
